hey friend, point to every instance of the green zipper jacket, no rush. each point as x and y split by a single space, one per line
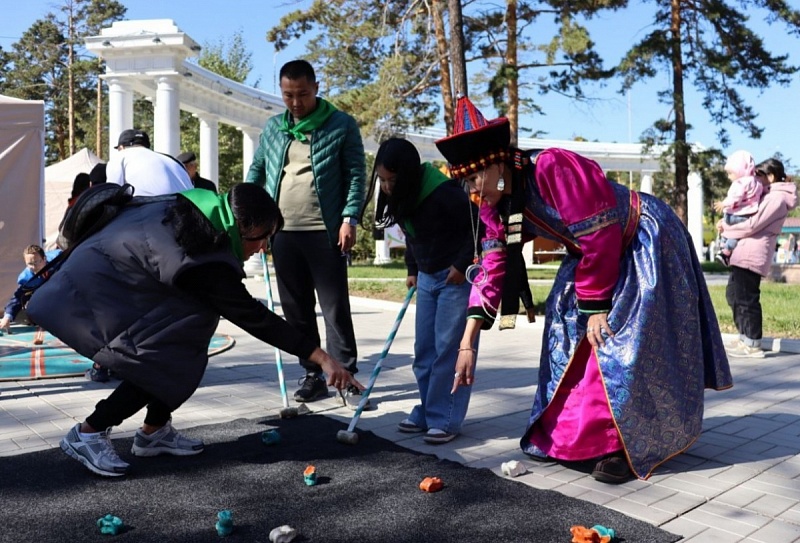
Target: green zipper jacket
337 160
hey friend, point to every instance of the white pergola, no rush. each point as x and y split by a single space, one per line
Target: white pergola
150 58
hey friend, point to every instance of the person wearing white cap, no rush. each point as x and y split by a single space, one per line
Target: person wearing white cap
150 173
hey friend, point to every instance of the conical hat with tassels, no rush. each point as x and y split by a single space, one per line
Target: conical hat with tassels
475 143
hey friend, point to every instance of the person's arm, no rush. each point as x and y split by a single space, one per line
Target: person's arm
564 180
467 352
354 170
486 292
220 286
770 209
258 171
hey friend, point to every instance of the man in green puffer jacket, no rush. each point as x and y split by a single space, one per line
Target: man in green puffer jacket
310 159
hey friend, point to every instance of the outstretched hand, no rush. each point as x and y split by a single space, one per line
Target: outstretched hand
338 376
465 369
5 325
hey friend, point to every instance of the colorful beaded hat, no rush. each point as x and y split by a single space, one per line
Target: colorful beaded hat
475 143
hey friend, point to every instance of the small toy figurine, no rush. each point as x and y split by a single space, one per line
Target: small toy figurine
310 475
595 534
271 437
224 523
282 534
512 468
110 525
431 484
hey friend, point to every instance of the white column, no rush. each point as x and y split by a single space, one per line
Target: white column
120 111
167 130
382 254
647 184
694 219
209 148
249 145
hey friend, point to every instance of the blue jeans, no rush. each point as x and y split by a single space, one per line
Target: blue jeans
441 319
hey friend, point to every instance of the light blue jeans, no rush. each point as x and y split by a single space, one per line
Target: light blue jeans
440 322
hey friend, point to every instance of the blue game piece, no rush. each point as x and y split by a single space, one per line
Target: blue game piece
225 523
271 437
110 525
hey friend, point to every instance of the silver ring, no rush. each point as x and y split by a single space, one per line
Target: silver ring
590 329
457 375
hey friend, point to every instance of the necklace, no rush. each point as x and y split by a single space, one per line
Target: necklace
476 272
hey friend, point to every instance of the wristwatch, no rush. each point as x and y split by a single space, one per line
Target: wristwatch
352 221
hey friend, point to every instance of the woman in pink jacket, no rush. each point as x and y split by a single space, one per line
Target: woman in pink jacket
753 256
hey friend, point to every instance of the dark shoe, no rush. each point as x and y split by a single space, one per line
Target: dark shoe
312 387
724 259
352 397
98 374
408 427
535 453
436 436
613 470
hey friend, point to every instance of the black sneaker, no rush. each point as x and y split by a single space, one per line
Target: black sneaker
312 387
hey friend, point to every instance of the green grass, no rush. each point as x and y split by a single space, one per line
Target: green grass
780 301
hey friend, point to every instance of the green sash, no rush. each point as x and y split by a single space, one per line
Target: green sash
309 123
217 209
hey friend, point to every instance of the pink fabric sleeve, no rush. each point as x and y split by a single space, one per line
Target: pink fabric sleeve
487 296
734 196
578 189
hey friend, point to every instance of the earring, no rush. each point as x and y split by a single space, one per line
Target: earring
501 184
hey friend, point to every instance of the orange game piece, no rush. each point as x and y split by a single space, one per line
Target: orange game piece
431 484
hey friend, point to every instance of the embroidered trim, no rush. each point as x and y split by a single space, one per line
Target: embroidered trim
463 170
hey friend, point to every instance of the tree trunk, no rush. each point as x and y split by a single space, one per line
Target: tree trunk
681 147
457 58
98 144
71 84
511 71
444 64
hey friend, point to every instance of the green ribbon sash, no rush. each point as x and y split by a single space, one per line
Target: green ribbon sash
217 209
309 123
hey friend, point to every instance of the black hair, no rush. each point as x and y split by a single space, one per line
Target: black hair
400 157
298 69
773 166
255 212
98 174
80 184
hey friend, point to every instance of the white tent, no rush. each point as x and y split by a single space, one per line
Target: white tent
58 179
21 185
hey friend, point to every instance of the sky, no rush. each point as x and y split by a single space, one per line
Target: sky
610 116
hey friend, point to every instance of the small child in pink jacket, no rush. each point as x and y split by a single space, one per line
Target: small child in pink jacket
742 200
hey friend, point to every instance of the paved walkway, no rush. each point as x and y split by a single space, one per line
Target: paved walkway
739 482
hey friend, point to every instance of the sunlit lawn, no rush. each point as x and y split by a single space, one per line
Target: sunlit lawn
780 301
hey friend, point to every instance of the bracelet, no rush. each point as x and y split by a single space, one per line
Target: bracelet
469 349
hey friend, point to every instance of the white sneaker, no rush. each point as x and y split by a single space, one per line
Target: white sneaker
733 345
94 451
743 351
165 440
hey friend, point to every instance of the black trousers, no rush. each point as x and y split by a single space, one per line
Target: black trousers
743 294
306 263
126 400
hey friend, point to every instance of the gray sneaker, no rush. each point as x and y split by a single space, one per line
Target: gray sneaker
94 451
352 397
165 440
